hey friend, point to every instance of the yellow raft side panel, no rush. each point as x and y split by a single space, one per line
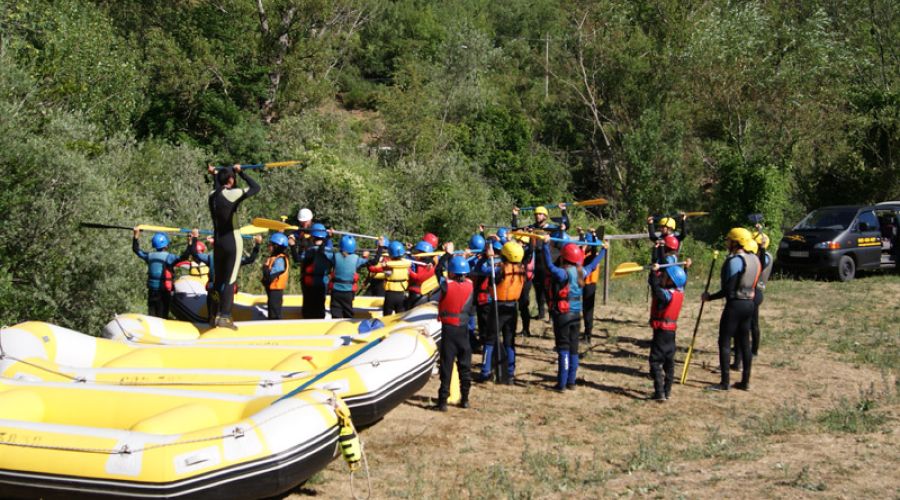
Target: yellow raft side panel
186 435
21 404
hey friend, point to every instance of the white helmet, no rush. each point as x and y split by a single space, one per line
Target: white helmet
304 215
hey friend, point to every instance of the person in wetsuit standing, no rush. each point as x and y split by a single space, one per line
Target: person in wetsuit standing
224 201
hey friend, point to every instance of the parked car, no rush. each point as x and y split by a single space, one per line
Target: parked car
842 240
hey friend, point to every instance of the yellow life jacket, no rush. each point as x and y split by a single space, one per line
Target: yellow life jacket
398 280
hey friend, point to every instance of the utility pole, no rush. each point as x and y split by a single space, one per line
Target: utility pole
546 65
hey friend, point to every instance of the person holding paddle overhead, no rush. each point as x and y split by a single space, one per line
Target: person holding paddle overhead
669 240
314 267
160 272
740 275
566 284
396 272
455 307
509 279
344 281
224 202
541 221
275 273
668 296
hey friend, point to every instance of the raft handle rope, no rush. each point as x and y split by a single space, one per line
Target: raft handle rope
128 335
236 433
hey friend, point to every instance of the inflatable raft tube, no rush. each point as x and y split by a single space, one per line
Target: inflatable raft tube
143 329
372 373
189 304
89 441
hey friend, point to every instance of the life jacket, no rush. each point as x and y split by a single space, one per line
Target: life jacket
666 317
509 289
529 267
159 273
398 279
746 286
344 272
766 272
455 303
594 277
418 276
280 281
377 275
315 268
565 296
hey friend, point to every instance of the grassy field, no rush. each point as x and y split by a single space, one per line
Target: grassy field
821 418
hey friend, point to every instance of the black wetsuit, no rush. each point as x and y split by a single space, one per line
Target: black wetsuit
229 247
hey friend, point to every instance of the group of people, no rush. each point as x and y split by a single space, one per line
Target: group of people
482 291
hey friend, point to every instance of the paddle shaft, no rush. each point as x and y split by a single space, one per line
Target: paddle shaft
330 370
690 353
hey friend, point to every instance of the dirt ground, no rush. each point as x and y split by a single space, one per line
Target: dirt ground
821 419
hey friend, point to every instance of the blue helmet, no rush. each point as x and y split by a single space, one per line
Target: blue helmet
348 243
458 265
160 241
590 238
279 239
677 275
396 249
497 245
318 231
423 247
503 234
476 243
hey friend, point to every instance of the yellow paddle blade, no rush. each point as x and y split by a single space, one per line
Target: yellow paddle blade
627 268
159 229
429 254
275 225
250 229
591 203
695 214
282 163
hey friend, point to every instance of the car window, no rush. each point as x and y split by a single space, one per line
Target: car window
830 218
869 218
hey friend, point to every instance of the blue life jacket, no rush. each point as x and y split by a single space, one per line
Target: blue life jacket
344 276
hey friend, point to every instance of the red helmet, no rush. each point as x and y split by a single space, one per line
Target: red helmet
431 239
572 253
671 242
201 247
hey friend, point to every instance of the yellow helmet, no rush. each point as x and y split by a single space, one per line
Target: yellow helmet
668 222
739 235
751 247
542 210
762 239
523 239
513 252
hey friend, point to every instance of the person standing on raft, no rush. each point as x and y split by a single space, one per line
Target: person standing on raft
228 245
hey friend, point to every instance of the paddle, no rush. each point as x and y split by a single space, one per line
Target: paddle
276 225
626 268
690 353
695 214
261 166
246 231
586 203
330 370
558 240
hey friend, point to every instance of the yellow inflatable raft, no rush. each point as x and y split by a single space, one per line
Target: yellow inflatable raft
189 303
372 372
143 329
88 441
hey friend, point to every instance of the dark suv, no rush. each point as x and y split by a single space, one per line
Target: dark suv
840 240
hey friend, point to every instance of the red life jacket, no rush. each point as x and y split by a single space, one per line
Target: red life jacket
557 294
484 287
419 276
455 302
666 318
168 280
529 268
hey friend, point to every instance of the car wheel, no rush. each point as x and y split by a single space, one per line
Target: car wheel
846 268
